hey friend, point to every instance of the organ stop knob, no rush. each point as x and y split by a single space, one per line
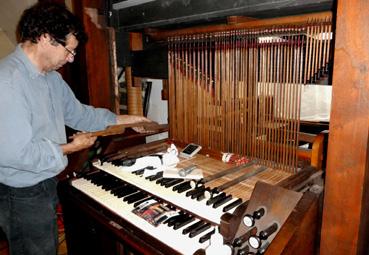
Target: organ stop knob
256 241
249 220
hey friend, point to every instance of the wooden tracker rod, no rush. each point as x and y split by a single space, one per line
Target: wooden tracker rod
240 91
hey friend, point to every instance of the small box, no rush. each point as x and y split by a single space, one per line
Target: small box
190 150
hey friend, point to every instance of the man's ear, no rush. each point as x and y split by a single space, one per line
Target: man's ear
43 38
46 38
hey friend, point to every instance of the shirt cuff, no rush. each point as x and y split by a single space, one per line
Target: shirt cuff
61 161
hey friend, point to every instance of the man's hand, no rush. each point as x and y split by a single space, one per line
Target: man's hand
79 142
131 119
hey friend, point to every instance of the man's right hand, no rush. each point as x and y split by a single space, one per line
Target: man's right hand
79 142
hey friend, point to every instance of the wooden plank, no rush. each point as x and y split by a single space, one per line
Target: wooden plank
298 234
99 80
134 91
345 209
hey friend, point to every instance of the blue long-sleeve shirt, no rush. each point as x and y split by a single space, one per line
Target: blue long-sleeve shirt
34 109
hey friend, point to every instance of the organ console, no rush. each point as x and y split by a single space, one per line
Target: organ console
103 200
235 90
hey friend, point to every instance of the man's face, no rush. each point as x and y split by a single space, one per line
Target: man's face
59 54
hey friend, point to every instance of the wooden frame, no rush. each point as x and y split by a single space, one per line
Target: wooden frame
345 226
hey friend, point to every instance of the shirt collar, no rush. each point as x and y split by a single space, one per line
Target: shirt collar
30 67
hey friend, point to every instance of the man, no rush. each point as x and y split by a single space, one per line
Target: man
35 106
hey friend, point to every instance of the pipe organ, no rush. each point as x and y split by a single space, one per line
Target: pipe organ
240 90
236 91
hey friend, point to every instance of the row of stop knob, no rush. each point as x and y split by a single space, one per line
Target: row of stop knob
256 241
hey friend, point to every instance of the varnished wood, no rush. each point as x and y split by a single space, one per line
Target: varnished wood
278 204
230 222
239 19
298 19
299 233
210 106
148 127
134 90
345 215
95 60
205 103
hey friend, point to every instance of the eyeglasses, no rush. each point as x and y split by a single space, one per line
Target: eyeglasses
72 52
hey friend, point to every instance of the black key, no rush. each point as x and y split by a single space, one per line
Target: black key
141 201
127 162
161 219
184 187
116 184
198 196
117 187
199 230
129 196
155 177
139 171
170 221
180 218
120 189
159 180
222 201
175 188
149 177
173 182
195 191
201 196
129 190
89 176
215 198
100 178
115 162
111 182
206 236
163 181
232 205
192 227
186 221
136 197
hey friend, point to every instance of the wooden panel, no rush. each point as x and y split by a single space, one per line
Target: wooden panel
299 233
96 52
346 179
277 203
134 91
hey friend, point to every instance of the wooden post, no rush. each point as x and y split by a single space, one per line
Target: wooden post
134 91
93 58
345 213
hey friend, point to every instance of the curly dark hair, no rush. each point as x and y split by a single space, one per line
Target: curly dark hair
51 18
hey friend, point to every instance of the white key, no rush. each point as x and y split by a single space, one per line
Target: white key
167 235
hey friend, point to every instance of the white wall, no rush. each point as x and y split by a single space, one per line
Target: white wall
10 12
316 102
158 109
6 46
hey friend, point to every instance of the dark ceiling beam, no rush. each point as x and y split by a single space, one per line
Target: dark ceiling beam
160 35
181 12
